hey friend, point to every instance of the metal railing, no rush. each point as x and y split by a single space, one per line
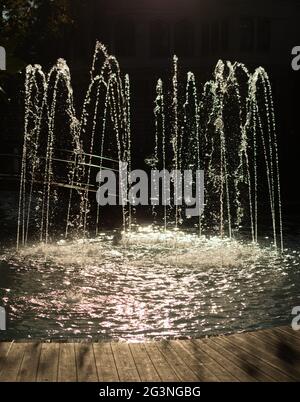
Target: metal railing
10 167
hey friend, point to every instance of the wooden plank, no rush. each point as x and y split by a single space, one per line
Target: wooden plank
278 375
286 353
12 363
209 370
163 368
272 354
178 365
105 362
288 329
143 363
236 371
242 360
67 363
201 370
280 349
29 367
4 349
289 333
125 364
48 364
262 351
85 363
288 343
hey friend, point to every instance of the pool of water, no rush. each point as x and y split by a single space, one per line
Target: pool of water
147 285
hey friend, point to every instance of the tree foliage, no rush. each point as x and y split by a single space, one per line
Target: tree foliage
21 16
27 25
28 29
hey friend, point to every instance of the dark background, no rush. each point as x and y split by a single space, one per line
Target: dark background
144 34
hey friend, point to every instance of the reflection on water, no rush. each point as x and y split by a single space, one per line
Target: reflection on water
148 284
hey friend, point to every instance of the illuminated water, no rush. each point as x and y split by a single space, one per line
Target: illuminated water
225 127
148 285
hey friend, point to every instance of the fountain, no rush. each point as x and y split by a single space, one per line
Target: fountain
60 151
220 272
226 128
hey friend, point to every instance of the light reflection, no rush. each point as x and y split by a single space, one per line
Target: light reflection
152 284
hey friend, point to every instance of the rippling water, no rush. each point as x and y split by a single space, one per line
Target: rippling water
146 285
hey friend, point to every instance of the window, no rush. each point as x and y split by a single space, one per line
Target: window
263 34
159 39
247 34
184 39
224 35
215 36
205 39
125 39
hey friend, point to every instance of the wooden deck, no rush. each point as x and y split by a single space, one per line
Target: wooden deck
268 355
